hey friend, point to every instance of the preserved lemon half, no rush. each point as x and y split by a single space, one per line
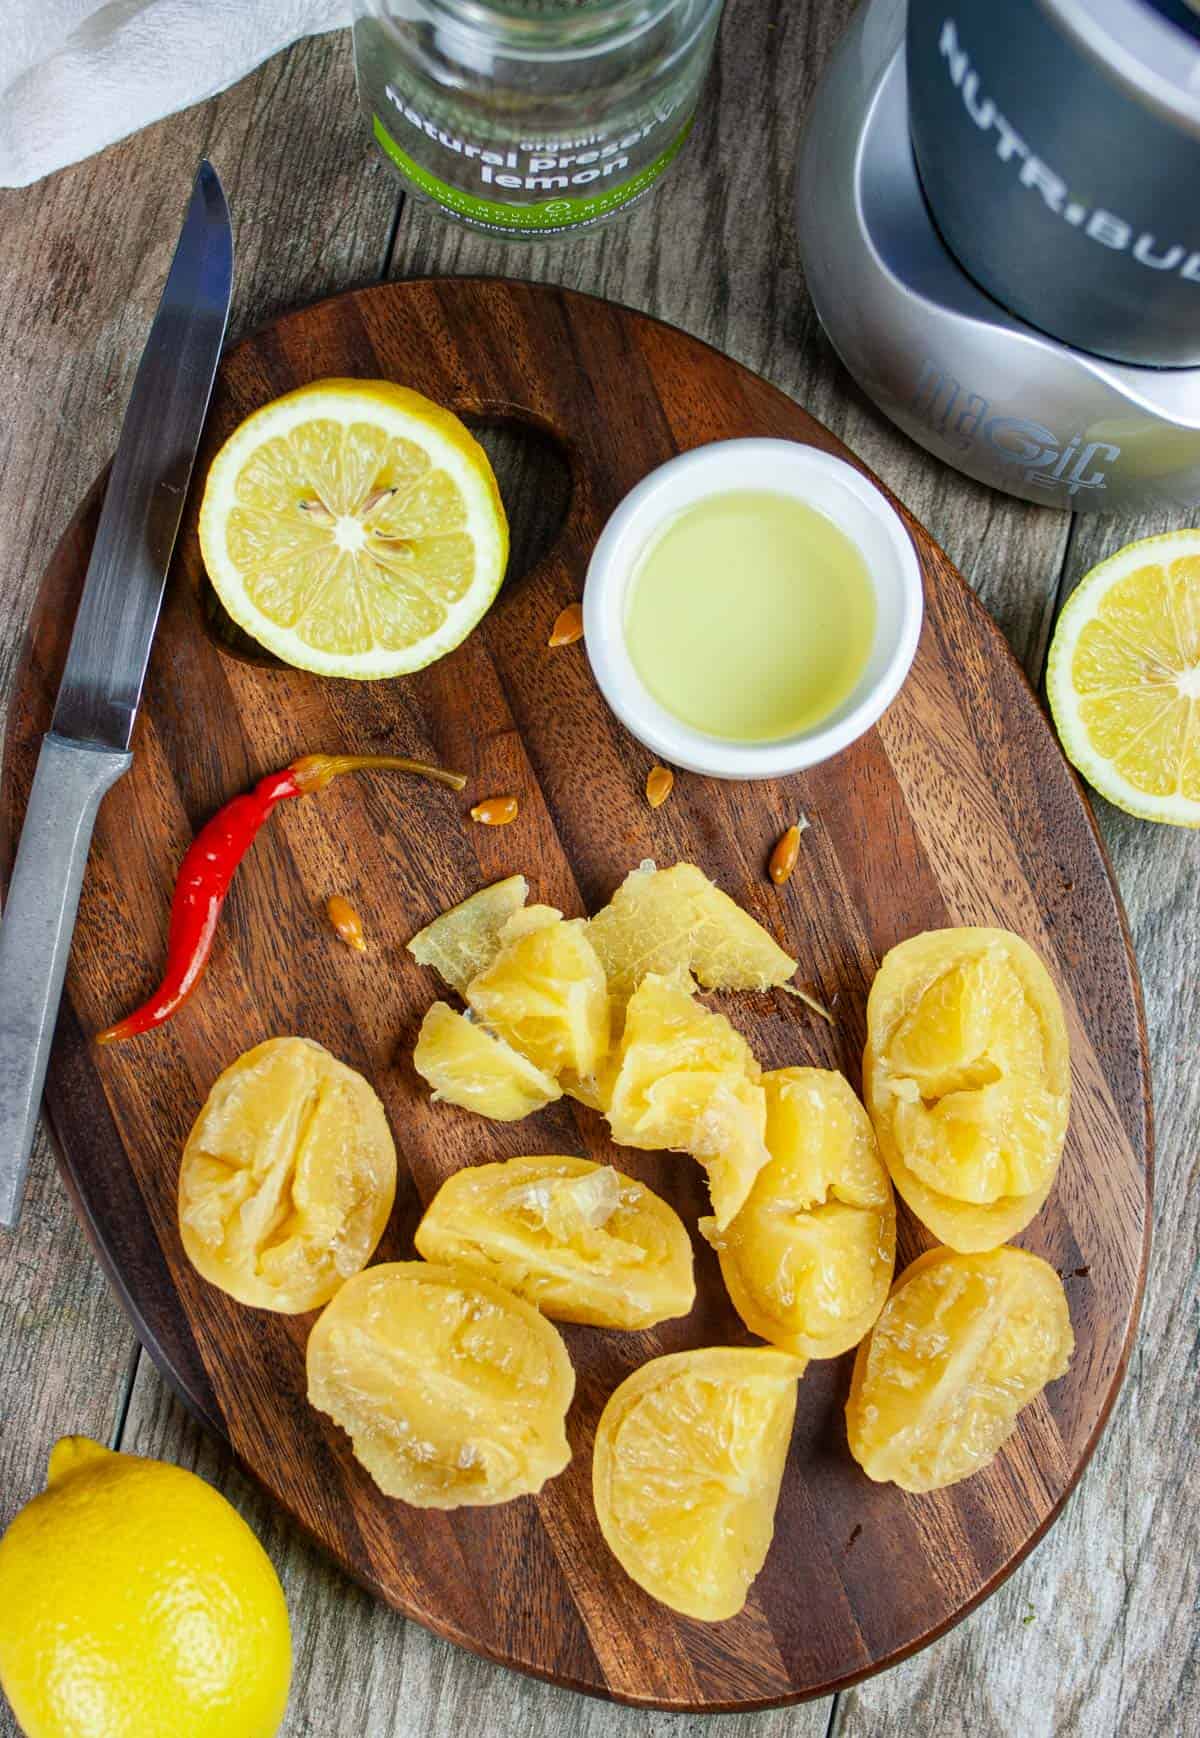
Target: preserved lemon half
465 939
671 920
287 1178
545 993
689 1459
687 1080
808 1260
468 1066
581 1241
452 1391
963 1343
967 1079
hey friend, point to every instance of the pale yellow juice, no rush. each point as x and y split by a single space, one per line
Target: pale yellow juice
750 616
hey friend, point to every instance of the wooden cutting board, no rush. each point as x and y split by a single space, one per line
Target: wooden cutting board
958 808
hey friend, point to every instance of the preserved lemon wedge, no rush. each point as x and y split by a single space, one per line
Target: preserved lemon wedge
808 1260
687 1080
581 1241
287 1178
689 1459
967 1079
545 994
452 1391
670 920
465 939
963 1343
464 1064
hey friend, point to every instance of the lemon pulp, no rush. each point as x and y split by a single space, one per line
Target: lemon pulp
354 528
1123 678
689 1458
750 616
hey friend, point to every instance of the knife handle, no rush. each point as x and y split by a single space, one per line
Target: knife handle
35 937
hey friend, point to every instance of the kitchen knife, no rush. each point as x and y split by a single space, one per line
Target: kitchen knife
87 747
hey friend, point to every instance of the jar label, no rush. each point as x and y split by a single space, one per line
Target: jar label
565 211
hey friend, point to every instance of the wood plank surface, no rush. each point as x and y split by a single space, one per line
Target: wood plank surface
958 808
1098 1631
1110 1652
85 253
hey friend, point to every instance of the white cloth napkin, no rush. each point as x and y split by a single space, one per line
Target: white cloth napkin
77 74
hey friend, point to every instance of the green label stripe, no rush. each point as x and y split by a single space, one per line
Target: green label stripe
562 213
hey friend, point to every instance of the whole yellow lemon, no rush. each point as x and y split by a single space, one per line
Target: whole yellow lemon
135 1603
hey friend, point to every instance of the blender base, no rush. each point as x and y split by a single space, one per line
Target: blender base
975 386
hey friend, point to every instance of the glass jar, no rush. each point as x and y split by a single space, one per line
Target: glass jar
532 117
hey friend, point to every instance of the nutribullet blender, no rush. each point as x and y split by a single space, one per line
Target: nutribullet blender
999 215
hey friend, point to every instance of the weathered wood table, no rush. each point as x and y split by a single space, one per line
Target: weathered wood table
1095 1636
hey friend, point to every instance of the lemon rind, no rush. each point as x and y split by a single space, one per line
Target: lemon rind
1080 608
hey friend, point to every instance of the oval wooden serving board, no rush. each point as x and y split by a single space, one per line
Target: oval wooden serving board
958 808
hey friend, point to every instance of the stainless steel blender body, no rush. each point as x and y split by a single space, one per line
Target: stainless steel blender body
1058 145
991 394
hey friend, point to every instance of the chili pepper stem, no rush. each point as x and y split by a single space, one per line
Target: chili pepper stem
314 771
209 865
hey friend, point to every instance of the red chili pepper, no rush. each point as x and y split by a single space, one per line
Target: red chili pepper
209 865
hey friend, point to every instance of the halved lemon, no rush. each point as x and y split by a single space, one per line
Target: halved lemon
967 1079
354 528
688 1462
454 1393
963 1344
287 1179
1123 678
580 1241
808 1260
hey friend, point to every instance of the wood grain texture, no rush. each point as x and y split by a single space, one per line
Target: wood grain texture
959 809
1097 1633
1112 1650
361 1671
714 250
84 257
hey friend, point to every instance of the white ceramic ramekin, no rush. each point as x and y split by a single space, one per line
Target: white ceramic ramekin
784 468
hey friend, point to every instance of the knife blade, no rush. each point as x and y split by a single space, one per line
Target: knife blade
87 747
118 612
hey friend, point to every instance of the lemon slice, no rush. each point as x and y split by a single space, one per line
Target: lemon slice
354 528
1124 678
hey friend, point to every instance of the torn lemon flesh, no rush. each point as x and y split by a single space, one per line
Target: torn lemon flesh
688 1463
287 1178
462 941
545 993
670 920
687 1080
966 1075
453 1391
581 1241
467 1065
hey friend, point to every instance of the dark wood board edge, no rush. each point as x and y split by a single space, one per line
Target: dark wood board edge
69 1044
